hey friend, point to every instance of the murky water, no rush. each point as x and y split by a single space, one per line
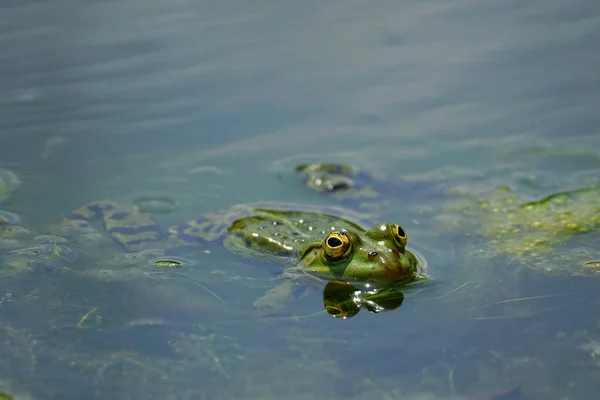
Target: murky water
213 103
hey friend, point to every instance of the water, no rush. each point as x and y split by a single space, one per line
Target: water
212 103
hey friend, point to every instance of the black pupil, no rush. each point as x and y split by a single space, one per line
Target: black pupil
334 242
401 232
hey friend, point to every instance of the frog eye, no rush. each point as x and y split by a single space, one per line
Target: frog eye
399 236
336 245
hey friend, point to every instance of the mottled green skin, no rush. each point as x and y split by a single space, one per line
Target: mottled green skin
374 256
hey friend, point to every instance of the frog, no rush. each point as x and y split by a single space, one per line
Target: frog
314 244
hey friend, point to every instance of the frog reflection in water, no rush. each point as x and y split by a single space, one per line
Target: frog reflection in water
312 242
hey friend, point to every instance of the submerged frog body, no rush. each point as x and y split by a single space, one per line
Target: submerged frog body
311 241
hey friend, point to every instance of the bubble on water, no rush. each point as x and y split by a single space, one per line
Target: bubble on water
171 262
138 258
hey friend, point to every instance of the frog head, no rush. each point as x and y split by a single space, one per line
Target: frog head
377 256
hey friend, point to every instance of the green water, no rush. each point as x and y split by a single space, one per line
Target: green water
213 104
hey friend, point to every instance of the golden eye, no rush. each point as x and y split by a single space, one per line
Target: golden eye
399 236
336 245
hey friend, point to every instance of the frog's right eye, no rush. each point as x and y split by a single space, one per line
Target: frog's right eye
336 245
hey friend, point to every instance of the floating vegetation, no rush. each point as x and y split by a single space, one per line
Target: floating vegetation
167 263
595 265
529 231
84 323
46 256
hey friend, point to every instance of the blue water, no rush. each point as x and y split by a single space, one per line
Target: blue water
213 103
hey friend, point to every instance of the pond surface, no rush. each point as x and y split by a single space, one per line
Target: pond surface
202 105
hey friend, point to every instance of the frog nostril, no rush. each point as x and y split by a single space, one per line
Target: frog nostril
372 255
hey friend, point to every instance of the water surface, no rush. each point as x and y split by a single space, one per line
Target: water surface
213 103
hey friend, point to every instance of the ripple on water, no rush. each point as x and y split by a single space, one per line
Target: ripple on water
46 256
156 204
10 218
9 182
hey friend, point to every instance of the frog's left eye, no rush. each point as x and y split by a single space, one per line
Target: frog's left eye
336 245
399 236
